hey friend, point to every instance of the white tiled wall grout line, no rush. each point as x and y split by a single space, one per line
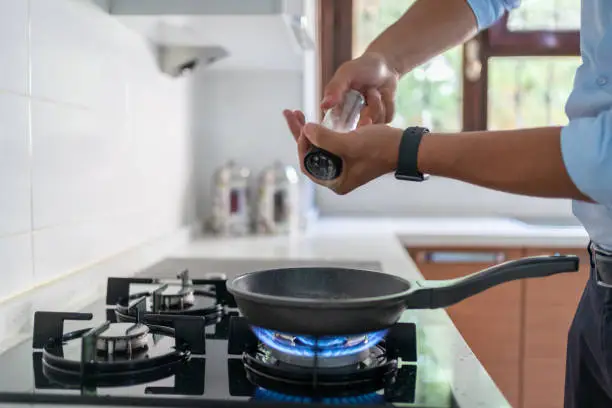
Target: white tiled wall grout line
43 99
13 92
30 140
15 234
80 221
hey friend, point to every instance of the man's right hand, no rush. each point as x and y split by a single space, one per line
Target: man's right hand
373 76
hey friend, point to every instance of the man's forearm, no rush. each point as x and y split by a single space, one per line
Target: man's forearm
526 162
427 29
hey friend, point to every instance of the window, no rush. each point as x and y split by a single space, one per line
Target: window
528 91
430 95
555 15
516 74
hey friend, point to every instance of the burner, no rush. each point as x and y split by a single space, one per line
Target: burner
200 297
373 373
114 354
176 298
344 363
168 298
307 351
386 375
189 379
122 338
295 365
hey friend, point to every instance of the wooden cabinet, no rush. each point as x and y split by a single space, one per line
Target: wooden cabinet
550 305
517 330
490 322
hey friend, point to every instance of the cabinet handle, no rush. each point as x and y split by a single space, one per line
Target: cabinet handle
454 257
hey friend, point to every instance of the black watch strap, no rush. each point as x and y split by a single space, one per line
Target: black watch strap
408 152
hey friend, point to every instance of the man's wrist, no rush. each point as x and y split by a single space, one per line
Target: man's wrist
391 154
390 61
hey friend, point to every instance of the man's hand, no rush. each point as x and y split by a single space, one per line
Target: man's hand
367 152
371 75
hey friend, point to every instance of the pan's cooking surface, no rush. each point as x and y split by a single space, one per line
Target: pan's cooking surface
321 283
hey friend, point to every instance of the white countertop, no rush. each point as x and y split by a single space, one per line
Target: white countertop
452 231
327 240
384 239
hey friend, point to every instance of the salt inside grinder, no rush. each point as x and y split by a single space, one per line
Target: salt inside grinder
343 117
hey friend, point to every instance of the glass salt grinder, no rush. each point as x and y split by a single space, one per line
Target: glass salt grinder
343 117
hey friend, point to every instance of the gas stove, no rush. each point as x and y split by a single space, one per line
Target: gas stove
182 342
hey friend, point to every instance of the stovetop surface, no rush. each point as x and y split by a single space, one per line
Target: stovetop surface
215 375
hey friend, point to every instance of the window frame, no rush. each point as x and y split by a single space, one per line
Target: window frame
336 47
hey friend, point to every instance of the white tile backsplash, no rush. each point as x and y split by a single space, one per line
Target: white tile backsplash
14 45
14 165
244 122
79 164
66 58
71 247
15 264
94 158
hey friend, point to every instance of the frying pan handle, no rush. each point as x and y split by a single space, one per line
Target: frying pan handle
444 293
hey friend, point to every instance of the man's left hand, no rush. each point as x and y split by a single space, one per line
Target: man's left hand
367 152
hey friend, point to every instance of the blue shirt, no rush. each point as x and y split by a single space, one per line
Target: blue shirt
586 142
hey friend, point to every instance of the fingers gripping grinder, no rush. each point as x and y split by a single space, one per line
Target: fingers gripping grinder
343 117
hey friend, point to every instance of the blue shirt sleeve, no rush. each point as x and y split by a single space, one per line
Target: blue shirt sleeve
586 146
487 12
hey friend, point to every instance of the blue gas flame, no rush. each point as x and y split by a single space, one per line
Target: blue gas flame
325 342
267 395
324 347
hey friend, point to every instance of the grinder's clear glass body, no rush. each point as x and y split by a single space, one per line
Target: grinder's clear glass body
343 117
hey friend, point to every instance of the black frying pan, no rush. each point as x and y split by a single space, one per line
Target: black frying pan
336 301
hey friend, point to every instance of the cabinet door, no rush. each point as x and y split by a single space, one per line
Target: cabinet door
550 305
490 322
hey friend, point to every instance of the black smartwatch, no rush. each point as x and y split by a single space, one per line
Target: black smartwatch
408 152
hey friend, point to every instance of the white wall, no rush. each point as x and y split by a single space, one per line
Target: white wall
237 105
238 116
94 146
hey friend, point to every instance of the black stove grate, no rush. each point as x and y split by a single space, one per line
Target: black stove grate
206 298
118 289
90 370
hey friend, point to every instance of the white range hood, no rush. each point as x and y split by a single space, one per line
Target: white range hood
266 34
